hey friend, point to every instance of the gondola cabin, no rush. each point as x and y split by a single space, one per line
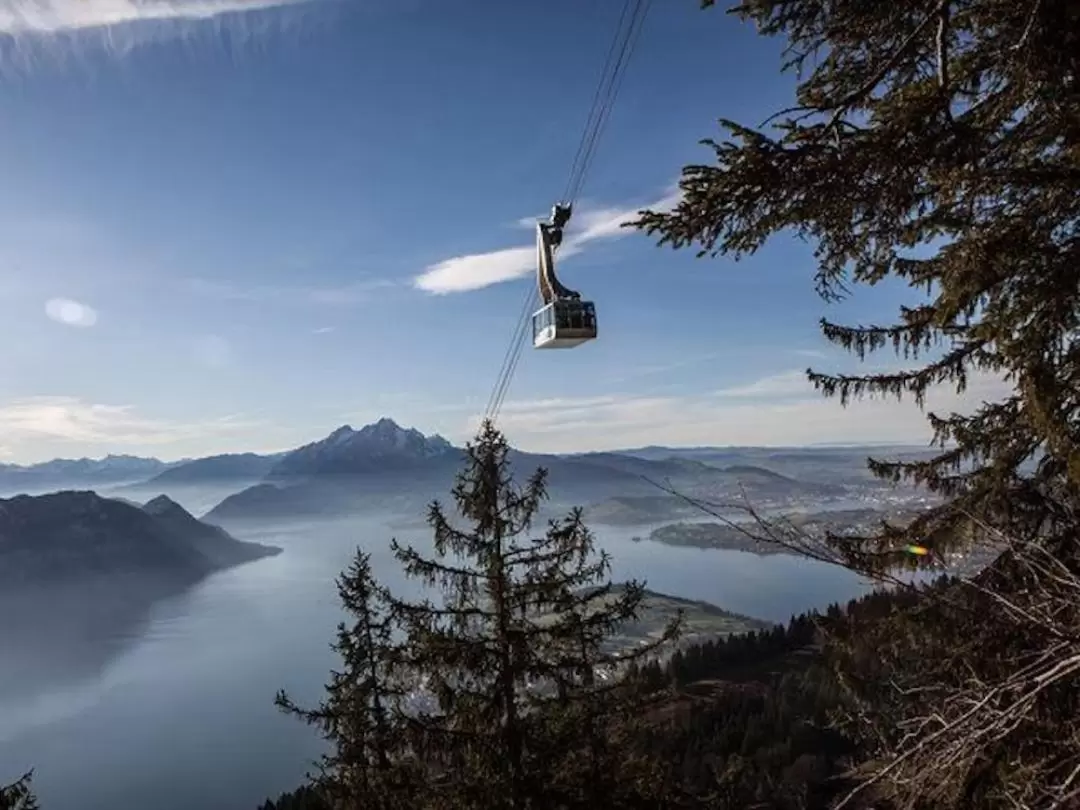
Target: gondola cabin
564 323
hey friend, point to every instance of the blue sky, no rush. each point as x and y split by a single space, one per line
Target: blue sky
230 225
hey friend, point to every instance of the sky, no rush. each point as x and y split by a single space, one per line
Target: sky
233 225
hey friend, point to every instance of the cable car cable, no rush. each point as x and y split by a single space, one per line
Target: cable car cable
513 353
517 340
514 340
619 73
603 101
574 167
586 149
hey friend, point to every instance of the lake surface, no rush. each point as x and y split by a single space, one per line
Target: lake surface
181 713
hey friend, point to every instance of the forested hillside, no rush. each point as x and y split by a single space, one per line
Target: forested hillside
745 720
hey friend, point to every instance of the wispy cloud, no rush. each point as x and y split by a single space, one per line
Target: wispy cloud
72 420
70 313
775 410
342 295
477 270
562 406
530 222
322 330
56 16
774 386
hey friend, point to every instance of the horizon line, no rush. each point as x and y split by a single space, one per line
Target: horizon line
619 451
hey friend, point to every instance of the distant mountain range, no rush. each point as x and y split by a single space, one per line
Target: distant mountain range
386 466
844 466
67 535
61 472
228 467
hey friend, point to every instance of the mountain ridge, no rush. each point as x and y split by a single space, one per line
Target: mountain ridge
113 460
352 470
346 450
59 472
66 535
384 463
221 467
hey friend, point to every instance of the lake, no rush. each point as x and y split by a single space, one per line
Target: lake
180 715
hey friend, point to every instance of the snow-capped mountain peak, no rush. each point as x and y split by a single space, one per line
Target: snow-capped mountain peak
343 435
381 443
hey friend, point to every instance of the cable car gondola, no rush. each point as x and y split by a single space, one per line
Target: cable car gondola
565 320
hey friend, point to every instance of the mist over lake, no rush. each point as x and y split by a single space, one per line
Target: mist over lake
176 710
154 619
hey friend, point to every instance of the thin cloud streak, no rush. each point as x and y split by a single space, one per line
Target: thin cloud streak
70 419
785 384
772 411
478 270
39 428
58 16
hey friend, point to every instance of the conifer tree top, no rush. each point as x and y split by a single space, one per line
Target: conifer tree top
935 142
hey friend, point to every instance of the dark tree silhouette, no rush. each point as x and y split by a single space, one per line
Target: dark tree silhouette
18 796
937 142
362 715
513 649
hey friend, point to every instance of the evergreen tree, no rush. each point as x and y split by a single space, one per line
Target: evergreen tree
362 714
937 142
18 796
511 653
303 798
